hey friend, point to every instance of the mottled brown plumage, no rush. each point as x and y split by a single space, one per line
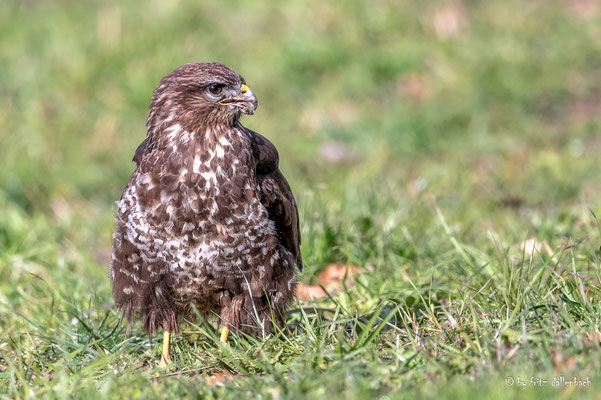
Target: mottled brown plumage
207 219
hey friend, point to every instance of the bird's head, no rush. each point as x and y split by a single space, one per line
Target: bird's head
201 94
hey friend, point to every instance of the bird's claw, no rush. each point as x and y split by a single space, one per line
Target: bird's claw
163 364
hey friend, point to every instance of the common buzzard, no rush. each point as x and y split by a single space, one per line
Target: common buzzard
207 220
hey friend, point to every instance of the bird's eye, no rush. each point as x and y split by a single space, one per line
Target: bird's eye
216 88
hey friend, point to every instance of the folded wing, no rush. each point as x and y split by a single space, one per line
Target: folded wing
276 195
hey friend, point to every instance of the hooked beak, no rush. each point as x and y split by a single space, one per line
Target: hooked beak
246 100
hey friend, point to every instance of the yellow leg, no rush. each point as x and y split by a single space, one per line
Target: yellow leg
225 332
165 358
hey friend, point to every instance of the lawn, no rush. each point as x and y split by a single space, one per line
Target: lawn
447 150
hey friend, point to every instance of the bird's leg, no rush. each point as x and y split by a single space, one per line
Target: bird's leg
165 358
225 332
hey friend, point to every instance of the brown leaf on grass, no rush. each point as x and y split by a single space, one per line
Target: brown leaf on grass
558 361
512 352
331 278
221 378
593 338
333 274
308 292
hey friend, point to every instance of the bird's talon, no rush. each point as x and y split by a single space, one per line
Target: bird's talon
165 361
163 364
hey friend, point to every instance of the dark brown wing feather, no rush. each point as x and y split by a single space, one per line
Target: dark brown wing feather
142 149
276 195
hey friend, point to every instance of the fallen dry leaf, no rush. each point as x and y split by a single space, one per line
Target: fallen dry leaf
221 378
558 361
331 279
335 273
308 292
593 338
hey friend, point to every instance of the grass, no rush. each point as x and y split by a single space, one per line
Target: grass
450 146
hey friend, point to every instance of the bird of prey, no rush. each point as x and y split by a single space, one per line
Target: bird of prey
207 220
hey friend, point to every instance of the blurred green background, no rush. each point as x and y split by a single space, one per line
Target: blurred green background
383 113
